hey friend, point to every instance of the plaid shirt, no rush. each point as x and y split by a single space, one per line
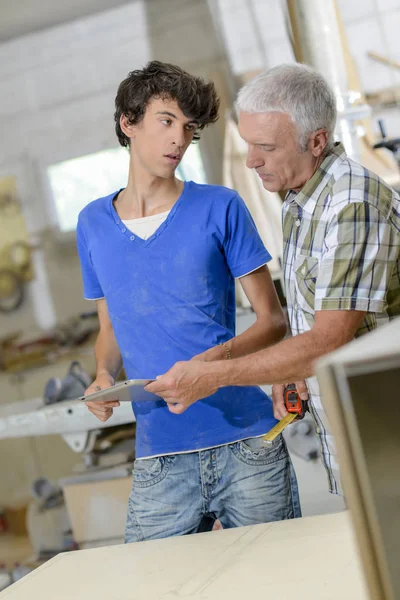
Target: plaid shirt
341 252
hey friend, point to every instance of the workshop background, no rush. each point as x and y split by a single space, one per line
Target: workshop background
60 65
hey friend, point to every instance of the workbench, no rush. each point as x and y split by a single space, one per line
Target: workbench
314 558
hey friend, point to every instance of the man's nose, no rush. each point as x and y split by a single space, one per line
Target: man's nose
179 137
254 158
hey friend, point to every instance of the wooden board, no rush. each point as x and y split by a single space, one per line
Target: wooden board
312 558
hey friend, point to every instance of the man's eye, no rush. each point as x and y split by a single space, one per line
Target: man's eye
190 127
166 121
268 148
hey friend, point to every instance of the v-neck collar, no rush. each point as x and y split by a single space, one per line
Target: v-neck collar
135 238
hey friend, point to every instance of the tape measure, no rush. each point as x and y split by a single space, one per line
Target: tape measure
296 410
279 427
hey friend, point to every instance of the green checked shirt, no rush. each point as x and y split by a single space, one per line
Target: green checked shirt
341 252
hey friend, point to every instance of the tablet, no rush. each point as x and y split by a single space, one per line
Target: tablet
131 390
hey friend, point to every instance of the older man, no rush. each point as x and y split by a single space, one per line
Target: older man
341 227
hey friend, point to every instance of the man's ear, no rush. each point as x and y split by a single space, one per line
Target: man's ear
128 129
318 141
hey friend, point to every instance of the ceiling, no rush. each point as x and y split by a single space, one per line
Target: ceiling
20 17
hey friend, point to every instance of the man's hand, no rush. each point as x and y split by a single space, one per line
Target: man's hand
184 384
102 410
278 399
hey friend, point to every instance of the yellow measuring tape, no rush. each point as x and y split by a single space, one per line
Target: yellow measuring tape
279 427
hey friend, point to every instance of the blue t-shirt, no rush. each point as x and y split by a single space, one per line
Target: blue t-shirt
173 296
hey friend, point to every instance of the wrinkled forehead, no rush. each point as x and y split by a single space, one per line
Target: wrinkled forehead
265 128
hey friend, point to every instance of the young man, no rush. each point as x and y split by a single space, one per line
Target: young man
160 258
341 228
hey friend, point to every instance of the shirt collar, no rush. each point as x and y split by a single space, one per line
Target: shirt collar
307 197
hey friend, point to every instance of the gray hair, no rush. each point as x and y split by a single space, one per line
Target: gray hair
297 90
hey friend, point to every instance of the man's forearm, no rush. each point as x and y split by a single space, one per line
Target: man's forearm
108 355
261 334
290 360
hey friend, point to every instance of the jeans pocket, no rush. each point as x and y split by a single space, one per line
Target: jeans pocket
149 471
254 451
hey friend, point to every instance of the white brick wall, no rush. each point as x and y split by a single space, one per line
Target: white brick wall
57 84
56 101
57 87
57 90
371 25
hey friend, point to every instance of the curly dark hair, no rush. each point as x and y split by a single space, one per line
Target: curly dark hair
197 99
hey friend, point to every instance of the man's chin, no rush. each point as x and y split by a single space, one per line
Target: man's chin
165 173
270 186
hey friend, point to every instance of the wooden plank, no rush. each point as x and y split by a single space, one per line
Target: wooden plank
312 559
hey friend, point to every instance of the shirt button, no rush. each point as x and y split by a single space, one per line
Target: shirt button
123 230
298 223
117 222
132 237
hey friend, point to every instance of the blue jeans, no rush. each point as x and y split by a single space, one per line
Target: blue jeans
243 483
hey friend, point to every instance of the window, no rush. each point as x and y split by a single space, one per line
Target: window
76 182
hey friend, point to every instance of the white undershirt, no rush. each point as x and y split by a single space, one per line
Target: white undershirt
146 226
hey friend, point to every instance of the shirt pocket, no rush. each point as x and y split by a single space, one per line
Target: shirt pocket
306 271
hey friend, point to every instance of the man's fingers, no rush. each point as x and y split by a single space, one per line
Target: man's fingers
302 389
278 401
101 405
156 387
152 387
103 415
102 410
280 412
176 408
175 405
277 392
162 388
92 389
